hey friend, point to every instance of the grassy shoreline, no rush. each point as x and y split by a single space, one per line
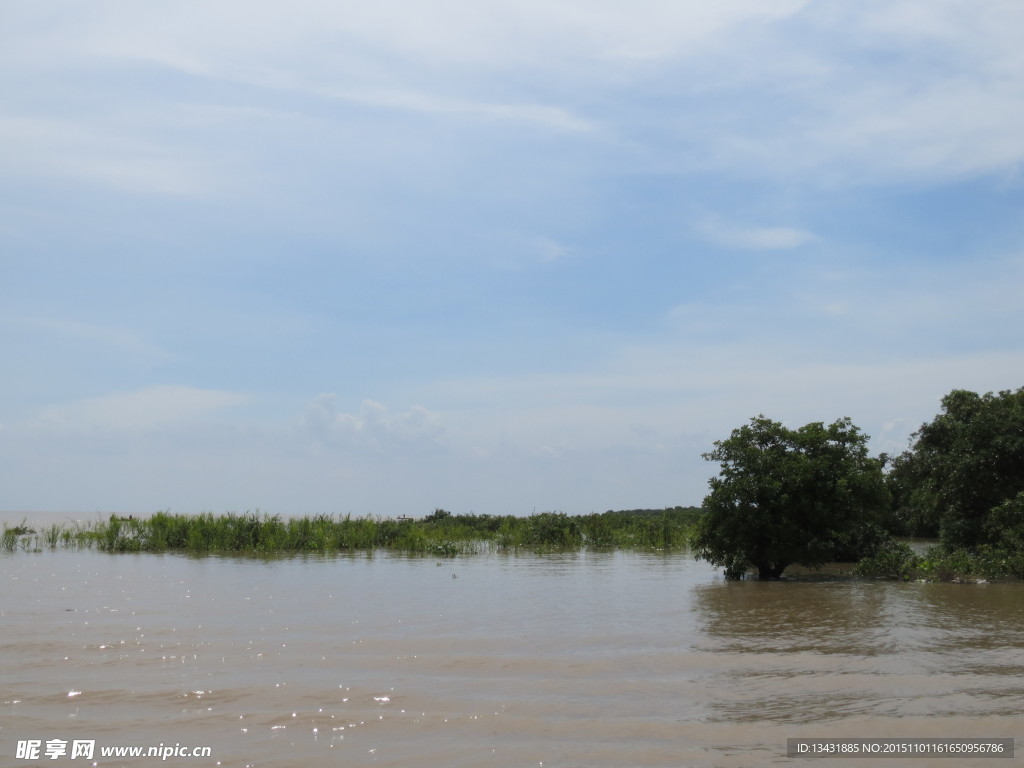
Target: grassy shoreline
440 533
444 534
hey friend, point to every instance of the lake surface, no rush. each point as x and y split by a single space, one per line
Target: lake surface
583 659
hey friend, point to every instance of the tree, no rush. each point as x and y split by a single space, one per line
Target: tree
915 510
786 496
966 462
1005 523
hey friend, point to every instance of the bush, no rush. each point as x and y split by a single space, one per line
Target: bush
892 559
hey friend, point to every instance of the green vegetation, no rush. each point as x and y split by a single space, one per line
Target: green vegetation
813 495
962 467
441 533
19 536
962 480
891 559
783 496
895 560
23 537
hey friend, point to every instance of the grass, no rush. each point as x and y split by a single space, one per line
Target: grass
443 534
20 536
440 533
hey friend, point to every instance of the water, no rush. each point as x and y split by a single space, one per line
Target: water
583 659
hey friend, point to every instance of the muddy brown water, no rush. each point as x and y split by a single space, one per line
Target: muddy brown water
582 659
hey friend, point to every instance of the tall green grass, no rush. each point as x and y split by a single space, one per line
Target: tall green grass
19 536
440 533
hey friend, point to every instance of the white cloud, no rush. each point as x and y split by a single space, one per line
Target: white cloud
107 336
947 128
881 345
141 409
104 151
374 426
541 115
673 399
550 250
852 93
233 36
752 238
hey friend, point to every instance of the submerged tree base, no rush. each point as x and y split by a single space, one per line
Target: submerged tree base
771 572
440 533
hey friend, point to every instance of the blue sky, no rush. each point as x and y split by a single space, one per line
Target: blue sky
490 256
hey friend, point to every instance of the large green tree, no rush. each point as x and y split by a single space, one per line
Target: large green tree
789 496
966 462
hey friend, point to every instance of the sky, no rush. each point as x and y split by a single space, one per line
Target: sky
490 256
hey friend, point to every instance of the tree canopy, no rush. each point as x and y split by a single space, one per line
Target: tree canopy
789 496
963 465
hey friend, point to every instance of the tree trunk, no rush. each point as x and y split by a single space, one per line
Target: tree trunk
770 571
